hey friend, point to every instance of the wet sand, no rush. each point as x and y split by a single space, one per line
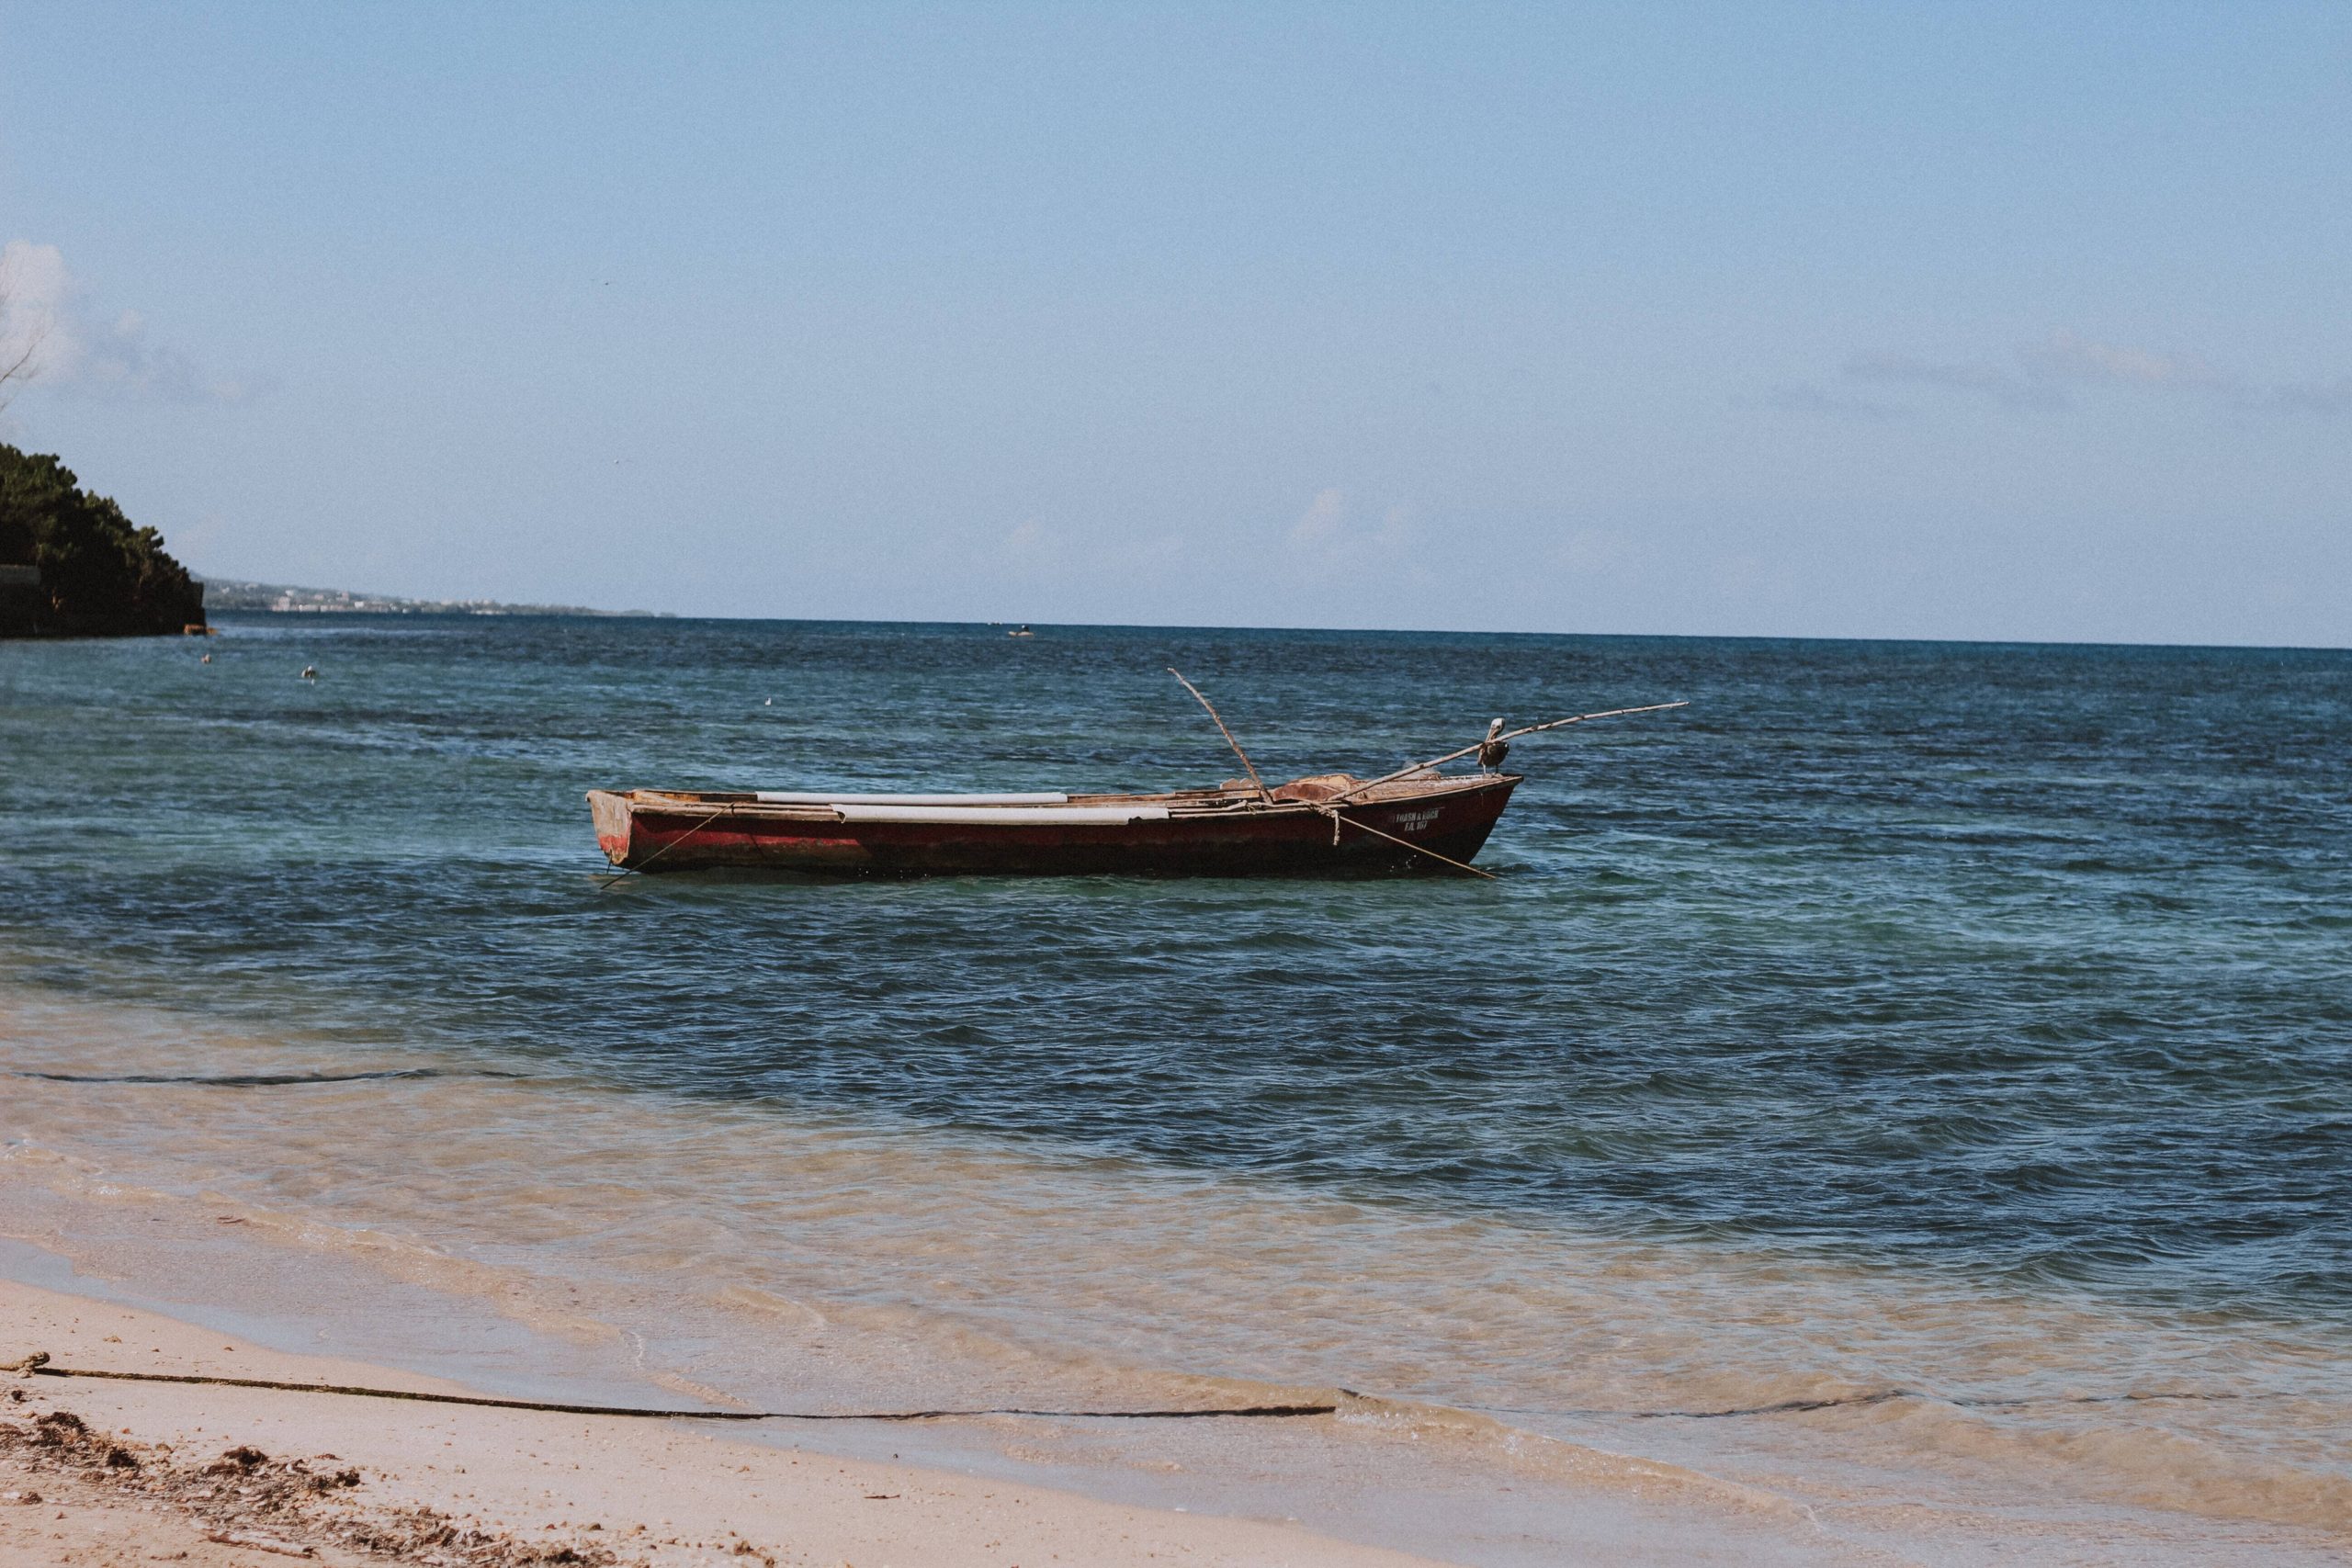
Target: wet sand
1530 1396
226 1475
128 1471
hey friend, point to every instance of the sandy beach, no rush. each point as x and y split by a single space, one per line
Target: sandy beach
96 1472
1030 784
176 1198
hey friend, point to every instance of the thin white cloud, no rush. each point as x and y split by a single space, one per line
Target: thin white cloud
2310 397
2049 373
1806 397
1319 526
2066 357
1334 536
45 312
1028 539
2008 387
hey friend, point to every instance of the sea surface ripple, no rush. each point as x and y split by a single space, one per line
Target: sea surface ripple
2025 964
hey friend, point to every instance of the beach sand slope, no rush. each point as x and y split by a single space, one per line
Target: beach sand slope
102 1473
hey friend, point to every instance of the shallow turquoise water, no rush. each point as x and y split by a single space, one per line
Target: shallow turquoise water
2029 964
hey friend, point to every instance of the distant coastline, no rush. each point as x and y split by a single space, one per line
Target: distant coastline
228 593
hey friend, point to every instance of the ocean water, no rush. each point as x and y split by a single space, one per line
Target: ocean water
1958 1034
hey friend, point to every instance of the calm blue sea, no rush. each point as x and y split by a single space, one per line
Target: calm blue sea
2027 964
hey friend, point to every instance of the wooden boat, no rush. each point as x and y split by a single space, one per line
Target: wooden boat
1417 819
1327 823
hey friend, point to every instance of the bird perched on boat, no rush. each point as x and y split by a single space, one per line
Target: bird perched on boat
1494 748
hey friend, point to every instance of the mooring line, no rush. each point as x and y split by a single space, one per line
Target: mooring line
38 1365
1337 818
633 869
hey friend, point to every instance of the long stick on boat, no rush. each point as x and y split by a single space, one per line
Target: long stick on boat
1411 768
1264 792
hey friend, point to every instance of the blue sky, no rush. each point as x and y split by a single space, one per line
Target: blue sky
1901 321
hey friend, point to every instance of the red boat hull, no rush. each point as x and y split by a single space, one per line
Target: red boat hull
654 831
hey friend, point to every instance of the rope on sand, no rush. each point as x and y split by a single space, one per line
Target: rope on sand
37 1365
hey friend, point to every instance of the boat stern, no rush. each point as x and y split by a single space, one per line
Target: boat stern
613 817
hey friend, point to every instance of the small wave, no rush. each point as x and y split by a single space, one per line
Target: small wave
1883 1395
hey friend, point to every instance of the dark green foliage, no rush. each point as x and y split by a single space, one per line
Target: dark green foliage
100 574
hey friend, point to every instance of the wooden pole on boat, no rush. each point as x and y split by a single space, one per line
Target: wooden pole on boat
1411 768
1264 792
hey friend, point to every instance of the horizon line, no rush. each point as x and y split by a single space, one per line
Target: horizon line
522 611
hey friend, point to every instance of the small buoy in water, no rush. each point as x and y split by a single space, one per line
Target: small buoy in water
310 672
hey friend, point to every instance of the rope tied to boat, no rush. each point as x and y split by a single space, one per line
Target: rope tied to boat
1334 814
633 869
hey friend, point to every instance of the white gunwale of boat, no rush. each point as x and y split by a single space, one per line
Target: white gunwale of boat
851 798
1000 816
1003 810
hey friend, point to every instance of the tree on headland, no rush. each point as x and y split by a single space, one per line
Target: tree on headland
98 574
70 563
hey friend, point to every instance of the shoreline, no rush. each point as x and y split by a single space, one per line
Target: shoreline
502 1486
494 1487
300 1214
